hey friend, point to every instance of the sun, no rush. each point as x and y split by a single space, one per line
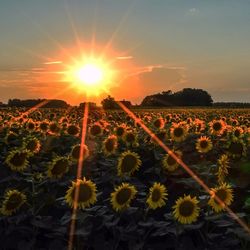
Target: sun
90 74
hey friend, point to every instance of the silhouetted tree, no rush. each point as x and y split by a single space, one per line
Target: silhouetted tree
33 102
185 97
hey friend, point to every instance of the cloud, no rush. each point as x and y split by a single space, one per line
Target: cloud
124 57
193 11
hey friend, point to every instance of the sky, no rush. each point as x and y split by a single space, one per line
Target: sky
165 44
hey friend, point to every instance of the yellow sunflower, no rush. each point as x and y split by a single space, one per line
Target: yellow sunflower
13 200
223 165
110 145
86 190
237 132
128 163
169 163
122 196
178 131
221 197
44 126
31 125
17 160
32 144
159 123
120 130
58 167
96 129
236 147
186 209
217 127
73 130
54 128
157 196
75 152
204 144
130 137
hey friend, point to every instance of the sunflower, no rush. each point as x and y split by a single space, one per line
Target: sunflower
54 128
122 196
157 196
120 130
44 126
10 137
18 160
110 145
178 131
237 132
159 123
58 167
73 130
86 190
223 165
204 144
96 129
129 137
128 163
236 147
32 144
217 127
186 209
221 197
31 125
13 200
75 152
169 162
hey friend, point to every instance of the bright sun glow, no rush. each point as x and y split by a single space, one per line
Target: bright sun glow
91 75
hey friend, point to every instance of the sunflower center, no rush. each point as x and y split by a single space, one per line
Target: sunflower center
171 161
130 137
186 208
156 195
203 144
123 196
96 130
13 202
73 130
60 167
236 148
31 145
54 128
221 194
109 145
76 152
237 132
178 132
128 163
217 126
120 131
85 193
18 159
158 123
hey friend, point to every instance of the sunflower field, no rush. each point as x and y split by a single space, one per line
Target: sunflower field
190 191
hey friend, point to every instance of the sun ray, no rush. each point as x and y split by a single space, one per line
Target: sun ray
79 176
184 166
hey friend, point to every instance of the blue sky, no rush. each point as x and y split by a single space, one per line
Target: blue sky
202 44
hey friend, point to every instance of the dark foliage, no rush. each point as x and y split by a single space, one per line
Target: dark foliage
185 97
110 103
33 102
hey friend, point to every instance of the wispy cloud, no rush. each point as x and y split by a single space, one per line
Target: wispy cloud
193 11
124 57
55 62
